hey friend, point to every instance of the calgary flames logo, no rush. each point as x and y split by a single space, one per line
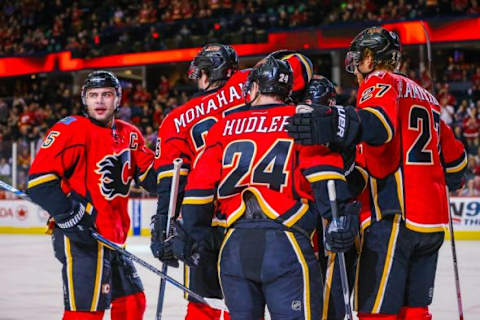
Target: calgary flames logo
115 174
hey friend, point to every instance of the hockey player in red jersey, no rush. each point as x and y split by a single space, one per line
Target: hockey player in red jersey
182 135
81 176
263 185
410 156
320 93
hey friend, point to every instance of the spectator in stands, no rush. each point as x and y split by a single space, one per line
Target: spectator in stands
3 112
473 168
164 85
150 137
469 190
461 113
124 113
5 170
157 115
447 112
471 127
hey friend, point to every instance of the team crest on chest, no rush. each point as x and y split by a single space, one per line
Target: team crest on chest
115 177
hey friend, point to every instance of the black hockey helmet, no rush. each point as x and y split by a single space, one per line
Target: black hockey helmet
273 76
218 61
233 56
321 91
102 79
385 46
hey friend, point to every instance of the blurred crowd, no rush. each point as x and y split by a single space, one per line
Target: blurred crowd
89 28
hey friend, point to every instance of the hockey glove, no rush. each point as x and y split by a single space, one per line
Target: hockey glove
338 125
183 246
454 181
77 222
341 232
157 244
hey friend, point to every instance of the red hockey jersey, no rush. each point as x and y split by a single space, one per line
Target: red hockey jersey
95 162
406 170
250 151
183 132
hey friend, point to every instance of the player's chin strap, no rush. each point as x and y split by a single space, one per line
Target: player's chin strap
214 303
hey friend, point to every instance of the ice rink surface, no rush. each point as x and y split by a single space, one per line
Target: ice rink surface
31 281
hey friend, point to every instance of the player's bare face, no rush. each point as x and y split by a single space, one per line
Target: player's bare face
365 66
101 104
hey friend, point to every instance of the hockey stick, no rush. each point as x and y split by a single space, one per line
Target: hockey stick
341 257
172 207
210 302
214 303
454 258
450 223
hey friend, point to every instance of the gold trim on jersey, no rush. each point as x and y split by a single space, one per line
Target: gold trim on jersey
424 228
388 264
305 272
328 283
186 279
458 167
169 173
297 215
42 179
325 175
144 175
220 252
374 193
384 121
236 214
365 224
198 200
357 272
399 186
218 222
98 278
266 209
69 262
364 174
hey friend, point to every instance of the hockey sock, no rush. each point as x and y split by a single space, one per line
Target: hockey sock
82 315
200 311
130 307
377 316
415 313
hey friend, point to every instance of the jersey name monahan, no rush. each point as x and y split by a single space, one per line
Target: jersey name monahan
216 101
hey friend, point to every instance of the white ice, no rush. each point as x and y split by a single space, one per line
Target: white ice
31 288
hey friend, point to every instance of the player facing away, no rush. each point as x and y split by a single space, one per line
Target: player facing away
409 155
182 135
260 185
81 176
321 93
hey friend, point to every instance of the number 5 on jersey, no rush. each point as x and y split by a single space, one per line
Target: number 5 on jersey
50 139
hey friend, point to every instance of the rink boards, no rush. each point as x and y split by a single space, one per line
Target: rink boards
20 216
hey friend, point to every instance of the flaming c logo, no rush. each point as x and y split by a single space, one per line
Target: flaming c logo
115 177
